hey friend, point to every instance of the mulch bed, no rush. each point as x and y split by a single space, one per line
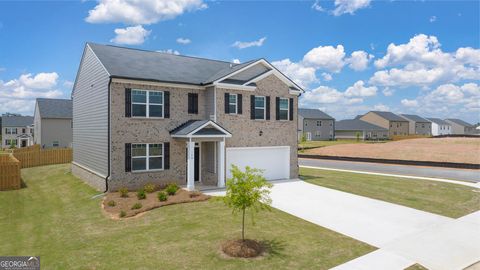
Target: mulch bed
151 202
243 249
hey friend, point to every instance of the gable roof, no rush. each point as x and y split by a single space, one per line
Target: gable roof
356 124
438 121
55 108
459 122
389 116
313 114
199 128
415 118
17 121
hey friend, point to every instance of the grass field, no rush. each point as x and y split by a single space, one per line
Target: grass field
56 218
463 150
445 199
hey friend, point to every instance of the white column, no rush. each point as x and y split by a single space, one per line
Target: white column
190 165
221 163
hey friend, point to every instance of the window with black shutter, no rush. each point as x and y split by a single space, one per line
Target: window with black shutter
239 103
128 157
166 153
290 112
227 102
128 102
193 103
267 108
166 100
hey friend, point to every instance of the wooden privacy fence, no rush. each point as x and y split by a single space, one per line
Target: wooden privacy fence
9 172
39 157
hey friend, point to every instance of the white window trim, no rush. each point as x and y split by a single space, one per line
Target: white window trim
288 109
147 157
147 104
264 107
236 103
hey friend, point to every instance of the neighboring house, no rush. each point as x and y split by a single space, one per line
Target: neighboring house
395 124
440 127
418 125
315 125
17 130
460 126
349 129
53 122
147 117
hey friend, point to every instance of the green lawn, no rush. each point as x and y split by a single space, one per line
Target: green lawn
445 199
56 218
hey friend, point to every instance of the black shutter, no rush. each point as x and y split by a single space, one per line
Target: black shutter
189 103
193 103
166 104
227 101
128 102
239 103
128 157
277 108
291 109
267 108
252 107
166 156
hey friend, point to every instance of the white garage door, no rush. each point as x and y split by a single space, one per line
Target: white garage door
274 160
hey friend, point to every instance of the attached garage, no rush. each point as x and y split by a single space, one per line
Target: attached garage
274 160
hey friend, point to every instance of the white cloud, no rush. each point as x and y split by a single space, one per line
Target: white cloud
359 60
133 35
349 6
409 102
68 84
236 61
326 58
183 41
170 51
387 91
300 74
327 76
381 107
316 6
358 89
248 44
323 94
135 12
18 95
432 19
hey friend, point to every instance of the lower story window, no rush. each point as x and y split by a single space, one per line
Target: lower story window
147 156
55 144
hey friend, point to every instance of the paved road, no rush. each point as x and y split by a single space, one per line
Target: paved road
445 173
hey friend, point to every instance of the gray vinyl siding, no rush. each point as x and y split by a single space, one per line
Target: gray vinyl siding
325 129
59 130
37 126
90 115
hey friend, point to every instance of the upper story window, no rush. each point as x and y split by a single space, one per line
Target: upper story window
319 123
233 103
147 156
260 105
23 131
284 108
146 103
10 130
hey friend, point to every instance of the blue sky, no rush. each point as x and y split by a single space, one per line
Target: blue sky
410 56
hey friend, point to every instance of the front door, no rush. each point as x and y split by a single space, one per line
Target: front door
24 143
196 163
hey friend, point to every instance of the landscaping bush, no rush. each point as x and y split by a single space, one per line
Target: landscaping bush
111 203
122 214
141 195
149 188
123 192
137 206
162 196
172 189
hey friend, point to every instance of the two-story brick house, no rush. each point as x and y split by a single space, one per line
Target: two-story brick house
17 130
395 124
148 117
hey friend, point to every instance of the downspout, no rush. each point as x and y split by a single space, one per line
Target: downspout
108 137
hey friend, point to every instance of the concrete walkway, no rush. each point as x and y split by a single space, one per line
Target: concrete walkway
404 235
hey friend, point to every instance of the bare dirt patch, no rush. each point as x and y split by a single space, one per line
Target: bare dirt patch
460 150
149 203
239 248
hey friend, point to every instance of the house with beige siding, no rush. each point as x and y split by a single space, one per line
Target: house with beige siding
418 125
148 117
356 128
315 125
395 124
461 127
17 131
53 122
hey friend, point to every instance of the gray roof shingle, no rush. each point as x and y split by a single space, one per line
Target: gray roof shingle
438 121
389 116
313 114
17 121
459 122
55 108
356 124
415 118
189 126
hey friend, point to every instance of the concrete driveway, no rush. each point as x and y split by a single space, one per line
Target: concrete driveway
404 235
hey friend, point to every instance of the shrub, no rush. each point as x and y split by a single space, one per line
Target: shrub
111 203
141 195
149 188
172 189
123 192
162 196
122 214
137 206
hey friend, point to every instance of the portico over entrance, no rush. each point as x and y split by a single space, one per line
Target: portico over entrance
205 148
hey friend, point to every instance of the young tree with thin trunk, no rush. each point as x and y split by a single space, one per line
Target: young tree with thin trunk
247 190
